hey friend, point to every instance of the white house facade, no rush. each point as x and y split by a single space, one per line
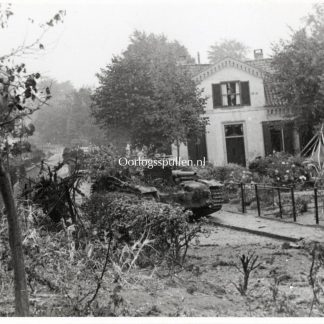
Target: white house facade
246 120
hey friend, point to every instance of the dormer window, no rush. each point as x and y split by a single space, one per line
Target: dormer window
231 93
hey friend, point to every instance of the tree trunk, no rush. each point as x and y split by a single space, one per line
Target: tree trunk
15 241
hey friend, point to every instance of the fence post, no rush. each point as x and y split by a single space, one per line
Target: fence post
316 205
257 199
293 203
242 197
279 201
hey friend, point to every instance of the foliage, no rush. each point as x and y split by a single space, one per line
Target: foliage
56 265
220 173
301 205
147 96
67 118
56 196
131 219
103 161
20 94
299 69
282 168
227 48
231 175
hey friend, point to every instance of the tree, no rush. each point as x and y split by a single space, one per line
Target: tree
298 65
227 48
148 96
66 119
19 97
50 122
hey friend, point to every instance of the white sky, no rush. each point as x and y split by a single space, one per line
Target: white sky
95 30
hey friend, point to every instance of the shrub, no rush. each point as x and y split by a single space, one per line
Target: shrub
220 173
282 168
163 227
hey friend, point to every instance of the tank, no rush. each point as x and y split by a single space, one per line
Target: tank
201 196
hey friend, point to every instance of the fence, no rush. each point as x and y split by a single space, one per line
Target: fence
304 206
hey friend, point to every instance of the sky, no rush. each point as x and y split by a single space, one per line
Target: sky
93 31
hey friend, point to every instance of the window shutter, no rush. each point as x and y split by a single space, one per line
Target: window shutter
266 139
288 138
217 95
245 90
237 91
224 100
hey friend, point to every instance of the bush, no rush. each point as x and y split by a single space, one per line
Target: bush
282 168
53 265
220 173
132 221
231 175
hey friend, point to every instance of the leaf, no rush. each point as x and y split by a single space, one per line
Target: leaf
57 17
27 93
50 23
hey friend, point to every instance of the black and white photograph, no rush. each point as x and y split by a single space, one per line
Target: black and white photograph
162 160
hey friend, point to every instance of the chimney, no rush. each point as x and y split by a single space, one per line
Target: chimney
258 54
198 58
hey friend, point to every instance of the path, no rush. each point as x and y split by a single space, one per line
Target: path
268 227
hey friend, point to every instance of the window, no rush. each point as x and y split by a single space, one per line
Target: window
234 130
278 137
232 93
235 148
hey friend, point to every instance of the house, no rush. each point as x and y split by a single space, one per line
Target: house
246 118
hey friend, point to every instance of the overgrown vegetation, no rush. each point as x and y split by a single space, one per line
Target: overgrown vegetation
162 227
248 264
20 97
119 234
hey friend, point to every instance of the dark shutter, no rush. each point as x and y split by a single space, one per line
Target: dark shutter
266 139
217 95
288 138
245 94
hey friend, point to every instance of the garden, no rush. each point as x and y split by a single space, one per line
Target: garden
280 186
115 253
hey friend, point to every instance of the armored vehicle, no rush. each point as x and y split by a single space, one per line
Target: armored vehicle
201 196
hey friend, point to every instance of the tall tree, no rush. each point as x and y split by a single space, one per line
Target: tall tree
66 119
227 48
19 97
299 69
148 95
